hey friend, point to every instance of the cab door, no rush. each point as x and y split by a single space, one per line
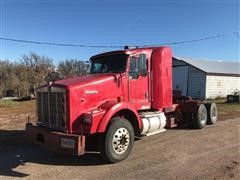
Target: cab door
139 94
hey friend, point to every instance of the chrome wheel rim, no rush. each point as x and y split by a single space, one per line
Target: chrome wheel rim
214 112
203 117
121 140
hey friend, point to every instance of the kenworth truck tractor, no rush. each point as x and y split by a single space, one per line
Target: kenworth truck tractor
126 95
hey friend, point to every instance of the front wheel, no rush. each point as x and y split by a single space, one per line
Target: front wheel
118 140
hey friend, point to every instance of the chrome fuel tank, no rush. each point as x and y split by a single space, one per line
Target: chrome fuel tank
153 122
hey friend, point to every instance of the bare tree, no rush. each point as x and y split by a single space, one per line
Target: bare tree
34 70
53 76
27 74
8 78
23 84
37 67
72 67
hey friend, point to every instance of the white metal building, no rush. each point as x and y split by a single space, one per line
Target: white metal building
203 79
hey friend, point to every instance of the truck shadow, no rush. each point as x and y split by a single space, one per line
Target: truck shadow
182 128
16 151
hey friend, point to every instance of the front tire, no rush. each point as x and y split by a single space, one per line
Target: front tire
118 140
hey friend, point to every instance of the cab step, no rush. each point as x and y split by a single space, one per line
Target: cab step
155 132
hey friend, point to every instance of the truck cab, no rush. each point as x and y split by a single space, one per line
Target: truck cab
126 94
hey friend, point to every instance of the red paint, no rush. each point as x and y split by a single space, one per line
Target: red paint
99 94
162 78
104 95
116 107
100 97
142 85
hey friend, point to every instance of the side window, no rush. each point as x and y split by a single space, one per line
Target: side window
142 65
133 64
138 66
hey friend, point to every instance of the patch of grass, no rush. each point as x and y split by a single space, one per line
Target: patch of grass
14 107
225 108
8 103
228 108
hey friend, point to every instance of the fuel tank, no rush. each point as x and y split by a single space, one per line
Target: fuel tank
153 122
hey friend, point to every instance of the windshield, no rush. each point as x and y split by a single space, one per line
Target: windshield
109 64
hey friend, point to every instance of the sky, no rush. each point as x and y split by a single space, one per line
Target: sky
119 22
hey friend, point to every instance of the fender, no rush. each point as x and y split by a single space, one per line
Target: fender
112 108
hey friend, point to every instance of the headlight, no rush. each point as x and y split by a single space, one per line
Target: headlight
86 120
86 123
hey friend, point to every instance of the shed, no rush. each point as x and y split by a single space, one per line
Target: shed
205 79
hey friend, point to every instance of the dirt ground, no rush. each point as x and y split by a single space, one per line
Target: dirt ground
210 153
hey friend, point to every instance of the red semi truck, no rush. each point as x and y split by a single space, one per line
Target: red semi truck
127 94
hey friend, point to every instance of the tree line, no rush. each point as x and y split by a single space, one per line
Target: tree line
31 71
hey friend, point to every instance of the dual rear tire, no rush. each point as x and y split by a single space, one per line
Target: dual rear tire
206 114
212 113
200 117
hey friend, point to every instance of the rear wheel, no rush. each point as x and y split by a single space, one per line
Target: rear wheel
118 140
200 117
212 113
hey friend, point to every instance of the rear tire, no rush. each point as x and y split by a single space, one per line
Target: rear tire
200 117
212 113
118 140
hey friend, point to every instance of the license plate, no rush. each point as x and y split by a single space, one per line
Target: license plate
67 143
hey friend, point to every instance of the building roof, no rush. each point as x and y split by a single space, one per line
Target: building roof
213 66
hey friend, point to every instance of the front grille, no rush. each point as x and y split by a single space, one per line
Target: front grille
51 108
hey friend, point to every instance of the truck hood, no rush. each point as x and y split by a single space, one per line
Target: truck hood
88 92
86 80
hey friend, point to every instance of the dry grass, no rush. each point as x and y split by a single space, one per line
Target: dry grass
227 110
16 106
14 114
8 103
13 108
